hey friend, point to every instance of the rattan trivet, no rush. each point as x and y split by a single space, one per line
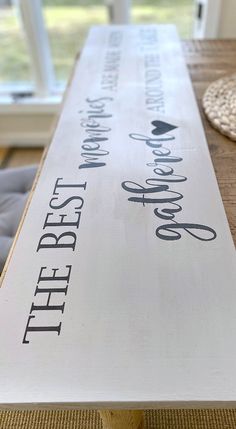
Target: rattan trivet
219 103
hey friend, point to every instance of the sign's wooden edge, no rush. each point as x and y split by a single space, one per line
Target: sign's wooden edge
120 405
5 268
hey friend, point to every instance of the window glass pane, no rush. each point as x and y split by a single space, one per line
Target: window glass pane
14 57
178 12
68 22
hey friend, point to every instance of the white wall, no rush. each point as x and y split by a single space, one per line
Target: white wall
217 19
227 22
26 129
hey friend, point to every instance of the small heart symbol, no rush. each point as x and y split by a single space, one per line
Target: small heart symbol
162 128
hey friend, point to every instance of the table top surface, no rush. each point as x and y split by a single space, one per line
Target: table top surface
209 60
145 323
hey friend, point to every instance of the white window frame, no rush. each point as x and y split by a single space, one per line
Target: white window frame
44 82
44 87
42 96
38 45
43 93
207 25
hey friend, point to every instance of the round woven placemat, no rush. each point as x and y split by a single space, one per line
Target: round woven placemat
219 103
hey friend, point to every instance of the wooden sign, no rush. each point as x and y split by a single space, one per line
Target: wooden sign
121 288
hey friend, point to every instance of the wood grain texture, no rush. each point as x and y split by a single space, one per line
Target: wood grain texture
19 157
122 419
208 60
3 156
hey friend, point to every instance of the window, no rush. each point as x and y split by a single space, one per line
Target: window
39 39
178 12
38 43
67 23
15 70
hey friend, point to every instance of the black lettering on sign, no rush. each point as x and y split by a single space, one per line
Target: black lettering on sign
51 288
39 328
61 241
160 194
61 230
94 154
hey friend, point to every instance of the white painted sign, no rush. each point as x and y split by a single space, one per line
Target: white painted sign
121 289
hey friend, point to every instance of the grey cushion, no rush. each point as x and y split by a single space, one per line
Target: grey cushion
15 184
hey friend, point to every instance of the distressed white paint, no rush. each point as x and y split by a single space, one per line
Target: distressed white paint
147 322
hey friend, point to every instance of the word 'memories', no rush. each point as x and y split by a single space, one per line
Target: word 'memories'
93 154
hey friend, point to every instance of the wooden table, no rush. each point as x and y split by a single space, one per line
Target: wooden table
202 63
208 60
